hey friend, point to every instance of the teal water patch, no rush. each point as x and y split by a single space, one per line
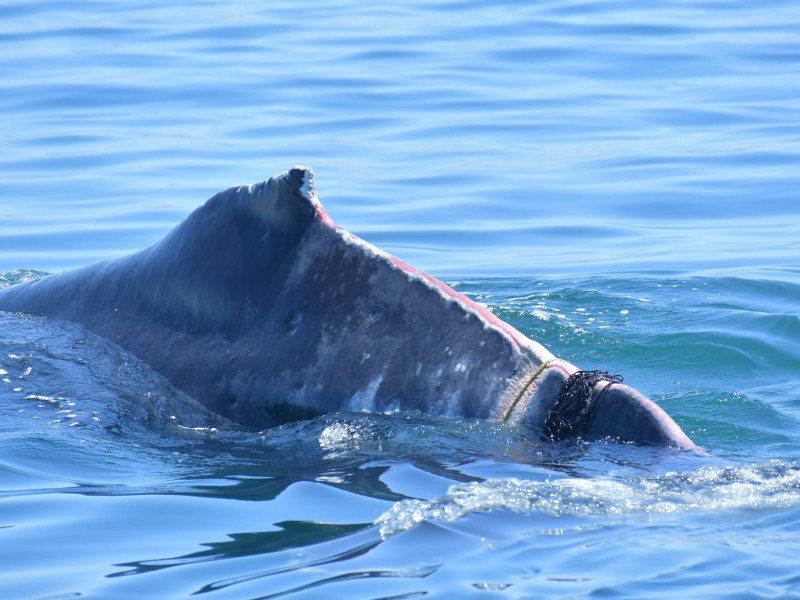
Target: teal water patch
719 353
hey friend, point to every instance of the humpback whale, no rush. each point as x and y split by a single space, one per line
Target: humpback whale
262 309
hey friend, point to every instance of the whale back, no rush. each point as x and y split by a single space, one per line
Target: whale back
258 306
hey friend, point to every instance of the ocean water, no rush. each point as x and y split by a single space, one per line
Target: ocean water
618 180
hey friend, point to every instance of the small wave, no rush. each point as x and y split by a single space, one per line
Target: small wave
19 276
773 484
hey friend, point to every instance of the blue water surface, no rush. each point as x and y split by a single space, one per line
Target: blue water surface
616 179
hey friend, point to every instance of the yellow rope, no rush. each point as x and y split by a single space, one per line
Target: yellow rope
524 389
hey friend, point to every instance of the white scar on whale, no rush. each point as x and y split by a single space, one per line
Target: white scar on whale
258 306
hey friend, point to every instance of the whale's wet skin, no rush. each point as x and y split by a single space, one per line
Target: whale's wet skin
265 312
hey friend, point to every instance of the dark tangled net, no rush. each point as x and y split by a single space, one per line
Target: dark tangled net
572 412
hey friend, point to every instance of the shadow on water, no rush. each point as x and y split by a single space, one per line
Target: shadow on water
291 535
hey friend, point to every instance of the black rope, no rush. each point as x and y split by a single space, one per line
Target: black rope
572 412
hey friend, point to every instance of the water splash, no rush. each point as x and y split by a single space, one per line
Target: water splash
774 484
19 276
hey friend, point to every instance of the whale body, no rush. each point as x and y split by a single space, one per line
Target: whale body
258 306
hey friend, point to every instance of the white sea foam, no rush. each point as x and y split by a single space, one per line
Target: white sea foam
760 486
